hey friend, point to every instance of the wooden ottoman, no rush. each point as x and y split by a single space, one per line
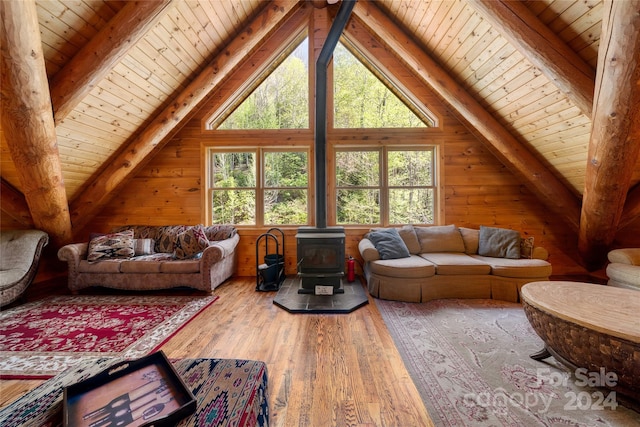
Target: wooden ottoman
589 326
228 392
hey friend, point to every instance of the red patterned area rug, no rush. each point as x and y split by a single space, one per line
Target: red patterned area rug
470 361
43 338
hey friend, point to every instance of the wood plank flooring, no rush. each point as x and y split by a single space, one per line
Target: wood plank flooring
324 369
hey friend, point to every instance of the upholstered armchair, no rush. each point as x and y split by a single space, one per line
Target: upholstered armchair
19 259
624 268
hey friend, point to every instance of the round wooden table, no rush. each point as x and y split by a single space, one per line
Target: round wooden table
594 327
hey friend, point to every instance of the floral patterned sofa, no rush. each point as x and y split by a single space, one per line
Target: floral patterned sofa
145 257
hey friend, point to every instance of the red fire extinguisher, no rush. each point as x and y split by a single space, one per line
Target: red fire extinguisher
351 269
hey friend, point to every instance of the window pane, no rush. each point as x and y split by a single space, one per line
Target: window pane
361 100
357 168
233 170
413 206
410 168
281 101
360 206
234 207
286 169
283 207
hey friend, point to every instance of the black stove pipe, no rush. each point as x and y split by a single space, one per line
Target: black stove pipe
321 108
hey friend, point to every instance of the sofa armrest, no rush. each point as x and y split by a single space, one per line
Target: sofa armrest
629 256
367 250
220 249
73 253
540 253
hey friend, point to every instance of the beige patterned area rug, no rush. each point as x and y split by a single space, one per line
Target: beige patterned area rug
470 362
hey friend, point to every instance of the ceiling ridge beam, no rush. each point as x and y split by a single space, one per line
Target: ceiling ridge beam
543 48
501 143
166 124
96 59
615 136
28 122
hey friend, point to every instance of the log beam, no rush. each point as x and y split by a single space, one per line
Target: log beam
540 45
615 135
27 119
499 141
97 58
151 139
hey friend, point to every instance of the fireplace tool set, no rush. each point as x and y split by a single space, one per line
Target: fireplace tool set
270 274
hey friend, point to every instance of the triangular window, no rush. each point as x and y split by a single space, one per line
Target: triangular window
279 99
364 98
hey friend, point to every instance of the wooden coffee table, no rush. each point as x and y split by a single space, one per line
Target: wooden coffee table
595 327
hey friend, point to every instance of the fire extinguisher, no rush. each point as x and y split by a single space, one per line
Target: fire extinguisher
351 269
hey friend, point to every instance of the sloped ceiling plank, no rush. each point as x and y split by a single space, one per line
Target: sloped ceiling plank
615 136
14 204
551 192
168 122
98 57
543 48
27 119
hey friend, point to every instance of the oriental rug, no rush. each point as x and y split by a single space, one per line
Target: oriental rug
469 359
43 338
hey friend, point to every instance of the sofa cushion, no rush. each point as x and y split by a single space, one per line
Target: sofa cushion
518 268
388 243
411 267
499 242
452 263
104 266
190 242
410 239
470 237
111 246
220 232
138 266
440 238
166 237
180 266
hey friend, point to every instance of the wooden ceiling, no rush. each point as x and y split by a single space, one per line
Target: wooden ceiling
530 79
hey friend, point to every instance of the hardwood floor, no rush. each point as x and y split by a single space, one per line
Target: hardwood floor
324 369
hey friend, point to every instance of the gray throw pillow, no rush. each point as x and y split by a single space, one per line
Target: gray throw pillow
389 243
499 243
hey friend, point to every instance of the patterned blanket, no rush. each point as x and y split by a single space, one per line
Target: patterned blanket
228 392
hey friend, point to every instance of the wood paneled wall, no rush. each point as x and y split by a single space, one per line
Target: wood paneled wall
478 190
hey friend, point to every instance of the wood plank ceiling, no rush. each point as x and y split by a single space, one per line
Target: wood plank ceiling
124 76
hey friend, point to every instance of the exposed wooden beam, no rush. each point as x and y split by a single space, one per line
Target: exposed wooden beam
151 139
27 119
14 204
96 58
540 45
515 156
615 134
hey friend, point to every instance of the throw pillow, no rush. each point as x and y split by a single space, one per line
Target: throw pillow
190 242
389 243
143 246
111 246
526 247
220 232
470 237
440 238
499 243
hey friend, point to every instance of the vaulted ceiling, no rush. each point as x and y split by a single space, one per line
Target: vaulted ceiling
550 86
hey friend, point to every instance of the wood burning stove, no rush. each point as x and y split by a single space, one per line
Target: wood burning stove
321 259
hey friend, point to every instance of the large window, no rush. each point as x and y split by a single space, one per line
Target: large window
281 192
386 186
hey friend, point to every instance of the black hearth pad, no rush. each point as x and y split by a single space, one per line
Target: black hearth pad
288 298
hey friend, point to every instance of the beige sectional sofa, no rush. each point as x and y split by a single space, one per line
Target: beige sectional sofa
450 262
149 257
